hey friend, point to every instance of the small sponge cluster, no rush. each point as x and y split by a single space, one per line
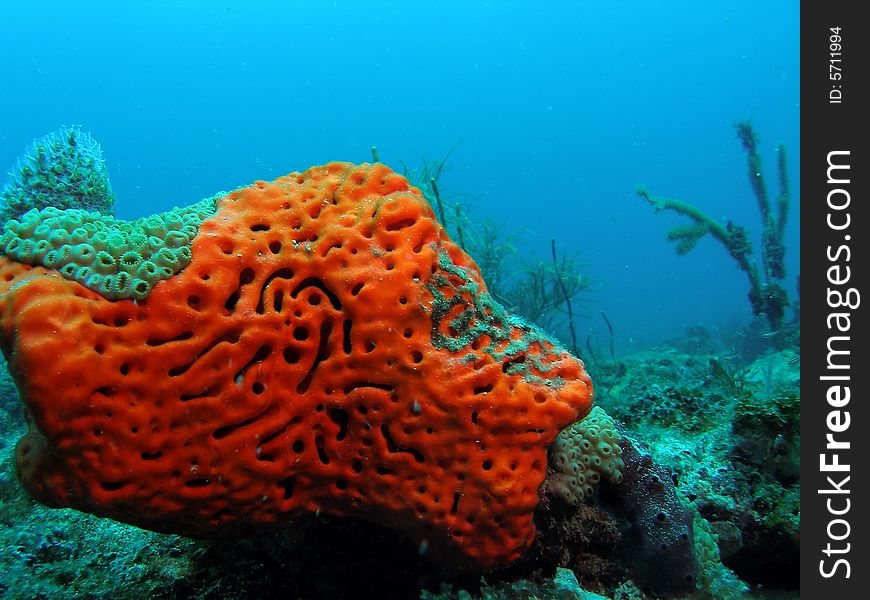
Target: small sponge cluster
117 259
584 453
64 168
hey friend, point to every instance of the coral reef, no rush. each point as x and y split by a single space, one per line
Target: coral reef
714 578
328 349
116 259
585 538
584 453
64 168
328 376
563 586
730 430
766 295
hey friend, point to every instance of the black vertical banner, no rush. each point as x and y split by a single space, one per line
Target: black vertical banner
835 342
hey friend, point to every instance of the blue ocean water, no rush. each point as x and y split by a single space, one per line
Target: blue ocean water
562 108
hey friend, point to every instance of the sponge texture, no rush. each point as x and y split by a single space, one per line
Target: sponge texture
328 349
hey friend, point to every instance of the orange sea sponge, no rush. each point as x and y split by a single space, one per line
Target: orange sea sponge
327 349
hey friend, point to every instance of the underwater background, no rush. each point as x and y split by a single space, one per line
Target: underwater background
562 109
549 116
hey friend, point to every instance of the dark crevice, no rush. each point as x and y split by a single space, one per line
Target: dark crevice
113 486
401 224
151 456
514 362
262 353
337 245
204 394
345 343
321 453
284 273
222 432
367 384
197 483
455 506
230 337
287 484
483 389
322 354
294 421
393 448
292 355
340 418
316 282
178 338
245 277
272 436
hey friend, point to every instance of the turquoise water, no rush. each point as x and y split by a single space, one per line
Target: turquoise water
552 114
562 109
